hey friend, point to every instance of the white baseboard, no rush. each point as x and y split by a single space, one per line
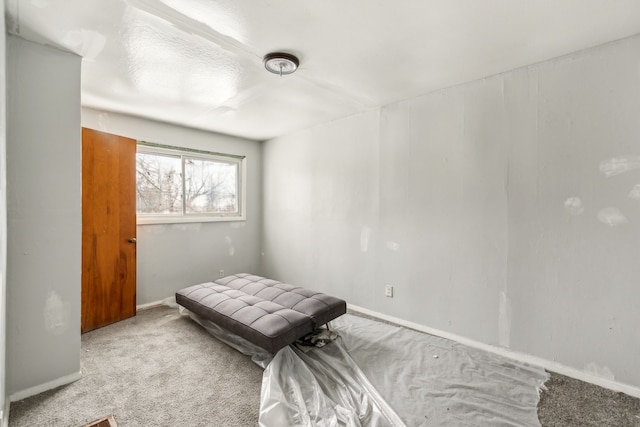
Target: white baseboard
32 391
5 413
505 352
148 305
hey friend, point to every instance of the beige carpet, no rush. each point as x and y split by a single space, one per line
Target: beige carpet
162 369
156 369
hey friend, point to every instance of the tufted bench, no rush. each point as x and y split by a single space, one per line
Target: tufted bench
266 312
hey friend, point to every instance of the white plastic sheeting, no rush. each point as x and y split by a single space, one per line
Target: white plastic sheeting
433 381
322 387
382 375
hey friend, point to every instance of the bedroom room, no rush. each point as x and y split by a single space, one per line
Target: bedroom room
479 160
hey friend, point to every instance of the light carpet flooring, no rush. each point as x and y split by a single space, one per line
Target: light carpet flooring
162 369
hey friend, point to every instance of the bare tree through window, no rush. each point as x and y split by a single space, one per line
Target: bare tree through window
210 186
159 184
179 184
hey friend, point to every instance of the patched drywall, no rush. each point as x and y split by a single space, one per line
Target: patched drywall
321 220
424 180
44 215
173 256
504 210
574 230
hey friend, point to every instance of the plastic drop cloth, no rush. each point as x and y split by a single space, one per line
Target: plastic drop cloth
432 381
322 387
377 374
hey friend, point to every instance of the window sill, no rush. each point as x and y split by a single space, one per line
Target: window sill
147 220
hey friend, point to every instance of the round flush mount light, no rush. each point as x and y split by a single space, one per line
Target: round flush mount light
281 63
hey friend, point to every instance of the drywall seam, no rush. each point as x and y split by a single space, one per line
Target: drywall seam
41 388
504 304
511 354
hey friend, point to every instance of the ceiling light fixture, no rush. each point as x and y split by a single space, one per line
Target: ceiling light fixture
280 63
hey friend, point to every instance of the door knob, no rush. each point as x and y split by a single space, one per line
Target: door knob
132 240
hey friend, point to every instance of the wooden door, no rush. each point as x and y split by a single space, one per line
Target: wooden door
108 229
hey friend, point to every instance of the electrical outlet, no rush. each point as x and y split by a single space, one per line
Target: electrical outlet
221 274
388 291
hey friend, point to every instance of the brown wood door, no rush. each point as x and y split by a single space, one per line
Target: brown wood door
108 229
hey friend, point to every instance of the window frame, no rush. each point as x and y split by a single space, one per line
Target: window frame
182 153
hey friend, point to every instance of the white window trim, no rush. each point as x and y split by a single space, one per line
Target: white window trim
145 219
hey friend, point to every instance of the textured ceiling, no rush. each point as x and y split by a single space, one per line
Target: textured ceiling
198 63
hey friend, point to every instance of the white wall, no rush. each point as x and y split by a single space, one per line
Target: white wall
574 268
44 216
466 201
173 256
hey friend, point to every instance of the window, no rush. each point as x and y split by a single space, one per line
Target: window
180 185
